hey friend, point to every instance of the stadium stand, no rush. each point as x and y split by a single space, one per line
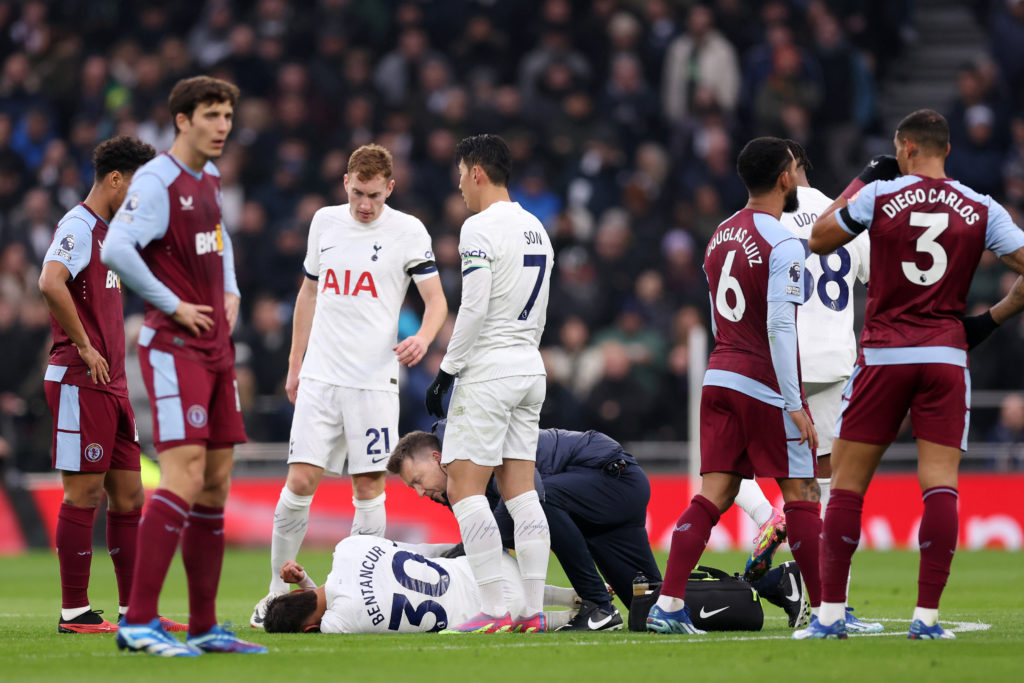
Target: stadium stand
624 118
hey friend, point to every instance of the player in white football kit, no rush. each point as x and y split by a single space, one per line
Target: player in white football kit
828 351
344 360
380 586
495 410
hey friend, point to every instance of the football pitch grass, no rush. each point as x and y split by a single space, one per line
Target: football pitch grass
984 602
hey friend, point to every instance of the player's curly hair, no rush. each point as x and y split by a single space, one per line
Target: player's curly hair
408 446
286 613
370 161
123 153
189 93
489 152
800 154
761 162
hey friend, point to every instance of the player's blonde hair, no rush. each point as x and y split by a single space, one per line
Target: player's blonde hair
370 161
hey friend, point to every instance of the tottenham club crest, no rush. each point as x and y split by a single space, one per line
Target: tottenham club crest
93 452
376 248
197 416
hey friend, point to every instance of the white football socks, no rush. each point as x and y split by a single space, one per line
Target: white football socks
370 518
753 501
482 541
826 488
670 604
533 548
929 616
557 619
831 612
69 614
291 517
557 596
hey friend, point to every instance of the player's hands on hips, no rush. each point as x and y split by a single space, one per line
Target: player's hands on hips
291 384
978 327
292 572
436 391
231 302
411 350
806 427
99 370
193 317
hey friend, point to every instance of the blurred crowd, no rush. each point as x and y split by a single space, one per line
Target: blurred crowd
624 118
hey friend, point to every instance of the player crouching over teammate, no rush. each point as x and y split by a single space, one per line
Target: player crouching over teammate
380 586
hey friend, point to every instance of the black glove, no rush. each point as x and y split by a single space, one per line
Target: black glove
978 327
882 167
436 391
454 551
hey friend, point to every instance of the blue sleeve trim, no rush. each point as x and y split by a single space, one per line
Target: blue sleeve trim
782 340
305 272
467 271
847 223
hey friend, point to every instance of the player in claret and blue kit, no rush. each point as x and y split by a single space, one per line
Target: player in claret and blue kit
168 243
95 443
753 420
928 233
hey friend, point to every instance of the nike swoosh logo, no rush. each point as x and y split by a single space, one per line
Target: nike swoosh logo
379 460
704 614
873 164
596 625
326 248
794 593
683 527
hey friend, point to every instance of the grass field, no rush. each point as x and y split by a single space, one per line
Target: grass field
984 594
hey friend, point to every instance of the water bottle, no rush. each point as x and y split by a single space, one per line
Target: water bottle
641 584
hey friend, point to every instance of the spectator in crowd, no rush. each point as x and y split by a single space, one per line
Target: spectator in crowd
623 118
699 58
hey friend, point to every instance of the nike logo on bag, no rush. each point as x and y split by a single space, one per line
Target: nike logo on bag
794 594
596 625
704 614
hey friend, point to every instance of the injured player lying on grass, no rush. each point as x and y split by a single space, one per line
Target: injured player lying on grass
381 586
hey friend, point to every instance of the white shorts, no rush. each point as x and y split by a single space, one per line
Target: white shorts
331 423
496 420
825 401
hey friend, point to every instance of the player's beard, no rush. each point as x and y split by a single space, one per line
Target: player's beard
792 202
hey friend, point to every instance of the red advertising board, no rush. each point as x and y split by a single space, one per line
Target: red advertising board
990 516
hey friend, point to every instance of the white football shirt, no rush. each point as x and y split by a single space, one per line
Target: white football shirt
362 271
379 586
512 244
828 343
